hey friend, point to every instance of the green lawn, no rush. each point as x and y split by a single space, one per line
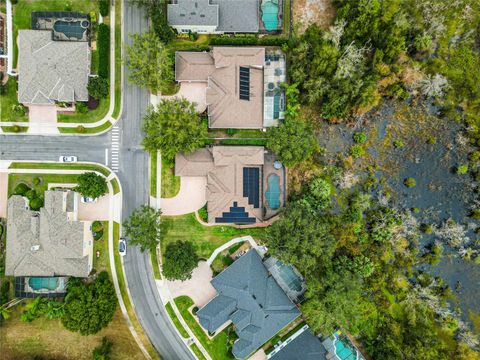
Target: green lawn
62 166
45 179
155 266
118 59
13 129
237 133
218 347
205 238
94 130
102 262
153 173
9 99
197 352
22 11
286 17
115 186
89 117
175 320
170 182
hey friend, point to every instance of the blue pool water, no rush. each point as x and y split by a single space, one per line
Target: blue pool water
273 191
71 29
343 352
270 15
38 283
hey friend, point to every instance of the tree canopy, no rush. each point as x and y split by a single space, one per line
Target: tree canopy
143 228
180 260
92 185
173 127
149 62
98 87
89 307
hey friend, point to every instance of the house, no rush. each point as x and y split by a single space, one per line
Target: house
302 345
214 16
245 184
250 298
243 85
51 71
49 242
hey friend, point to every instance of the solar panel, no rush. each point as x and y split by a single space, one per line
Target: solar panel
244 85
251 185
237 215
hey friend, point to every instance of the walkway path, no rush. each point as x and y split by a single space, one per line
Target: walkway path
230 243
190 198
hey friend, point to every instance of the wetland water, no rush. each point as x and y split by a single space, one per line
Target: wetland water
428 149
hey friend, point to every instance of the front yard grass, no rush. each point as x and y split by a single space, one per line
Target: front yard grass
205 238
219 347
89 117
197 352
15 179
118 59
76 130
176 322
155 266
9 99
170 182
153 173
101 263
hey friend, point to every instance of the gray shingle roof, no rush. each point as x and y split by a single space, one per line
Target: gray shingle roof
44 243
226 15
261 307
188 12
305 346
50 70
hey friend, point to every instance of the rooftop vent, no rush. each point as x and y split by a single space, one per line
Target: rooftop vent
35 248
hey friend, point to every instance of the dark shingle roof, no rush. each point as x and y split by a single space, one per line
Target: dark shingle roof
261 308
305 346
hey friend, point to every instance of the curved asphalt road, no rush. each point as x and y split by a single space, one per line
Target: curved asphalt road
133 174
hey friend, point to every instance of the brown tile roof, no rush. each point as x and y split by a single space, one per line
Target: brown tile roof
223 167
220 68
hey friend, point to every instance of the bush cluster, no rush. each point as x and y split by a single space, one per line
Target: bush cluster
266 41
103 6
103 48
35 201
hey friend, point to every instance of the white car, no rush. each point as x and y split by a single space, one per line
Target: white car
122 247
87 200
67 159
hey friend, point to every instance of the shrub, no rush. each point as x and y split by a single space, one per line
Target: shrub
193 36
80 129
98 87
36 181
4 292
432 140
426 229
410 182
359 138
15 128
36 203
160 25
103 47
462 169
203 213
31 194
398 144
1 230
92 185
104 7
102 352
21 189
81 108
267 41
18 109
357 151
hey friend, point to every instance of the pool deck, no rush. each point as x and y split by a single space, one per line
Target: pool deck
268 169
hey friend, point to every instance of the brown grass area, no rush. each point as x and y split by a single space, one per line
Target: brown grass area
49 339
306 12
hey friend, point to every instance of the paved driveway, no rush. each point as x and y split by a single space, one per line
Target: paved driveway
3 194
198 287
190 198
42 114
193 92
94 211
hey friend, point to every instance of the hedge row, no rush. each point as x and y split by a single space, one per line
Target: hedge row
103 48
266 41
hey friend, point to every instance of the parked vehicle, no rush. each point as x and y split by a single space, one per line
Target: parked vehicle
122 247
87 200
67 159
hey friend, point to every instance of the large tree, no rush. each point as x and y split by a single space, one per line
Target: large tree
293 141
173 127
92 185
143 227
180 260
149 62
89 307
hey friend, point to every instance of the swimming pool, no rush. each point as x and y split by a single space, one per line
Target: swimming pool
273 191
39 283
270 14
343 351
71 29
